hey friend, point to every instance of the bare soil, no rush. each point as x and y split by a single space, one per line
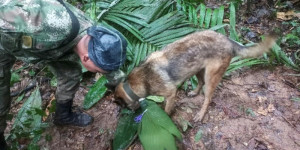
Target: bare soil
252 109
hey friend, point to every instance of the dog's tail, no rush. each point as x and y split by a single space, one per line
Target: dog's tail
257 49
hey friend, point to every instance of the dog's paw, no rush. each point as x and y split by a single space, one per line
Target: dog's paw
198 117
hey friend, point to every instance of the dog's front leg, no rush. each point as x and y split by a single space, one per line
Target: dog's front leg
170 101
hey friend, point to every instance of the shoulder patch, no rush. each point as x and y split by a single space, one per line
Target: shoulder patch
26 42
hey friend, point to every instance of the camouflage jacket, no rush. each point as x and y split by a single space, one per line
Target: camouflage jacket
47 24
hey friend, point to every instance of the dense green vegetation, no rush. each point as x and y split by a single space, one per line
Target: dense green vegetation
149 25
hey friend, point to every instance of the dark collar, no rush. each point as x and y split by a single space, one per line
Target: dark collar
129 91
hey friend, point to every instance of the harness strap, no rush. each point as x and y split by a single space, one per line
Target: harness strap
129 92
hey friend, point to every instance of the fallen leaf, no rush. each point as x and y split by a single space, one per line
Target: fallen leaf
226 21
254 90
271 108
261 99
48 107
189 110
285 15
262 111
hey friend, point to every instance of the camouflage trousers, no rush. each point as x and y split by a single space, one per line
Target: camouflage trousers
68 74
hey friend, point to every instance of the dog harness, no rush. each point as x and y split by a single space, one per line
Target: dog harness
129 91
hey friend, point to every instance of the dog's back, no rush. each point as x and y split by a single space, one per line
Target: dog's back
190 54
185 57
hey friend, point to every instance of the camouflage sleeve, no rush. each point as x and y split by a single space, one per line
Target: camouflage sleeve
45 24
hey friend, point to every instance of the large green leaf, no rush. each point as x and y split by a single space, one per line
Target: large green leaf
153 137
96 92
125 25
158 26
171 34
27 115
160 118
126 130
130 15
157 130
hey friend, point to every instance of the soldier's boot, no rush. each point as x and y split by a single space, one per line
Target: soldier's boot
65 116
3 145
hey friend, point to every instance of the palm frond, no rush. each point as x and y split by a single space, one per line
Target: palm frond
232 19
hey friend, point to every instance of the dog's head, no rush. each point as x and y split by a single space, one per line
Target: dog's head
122 96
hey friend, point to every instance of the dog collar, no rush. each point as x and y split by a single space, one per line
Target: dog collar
129 92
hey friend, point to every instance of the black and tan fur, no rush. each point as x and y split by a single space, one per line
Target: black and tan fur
206 54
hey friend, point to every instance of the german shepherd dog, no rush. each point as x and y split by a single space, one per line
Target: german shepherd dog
206 54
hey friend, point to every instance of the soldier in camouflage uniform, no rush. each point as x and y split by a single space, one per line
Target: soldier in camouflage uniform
35 30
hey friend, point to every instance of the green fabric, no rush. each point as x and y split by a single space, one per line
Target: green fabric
47 22
6 62
68 76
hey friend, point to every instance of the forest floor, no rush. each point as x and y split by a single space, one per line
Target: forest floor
252 109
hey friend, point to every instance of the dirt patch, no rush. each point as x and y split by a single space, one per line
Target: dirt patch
250 110
253 110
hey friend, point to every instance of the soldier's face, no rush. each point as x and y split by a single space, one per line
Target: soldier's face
82 50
